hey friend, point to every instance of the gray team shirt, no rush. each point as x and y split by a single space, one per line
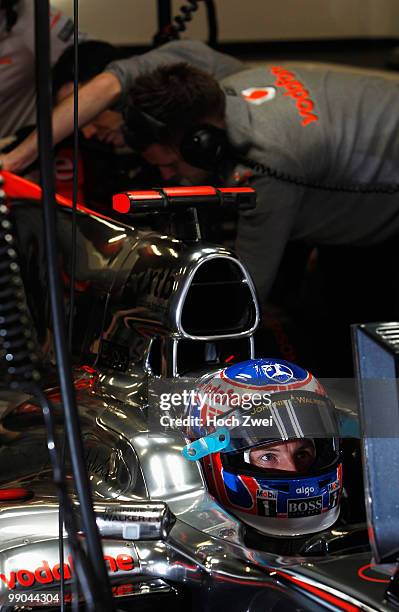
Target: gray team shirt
17 64
194 52
319 126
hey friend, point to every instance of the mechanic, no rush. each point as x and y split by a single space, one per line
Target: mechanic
284 479
105 163
17 61
110 90
94 57
319 145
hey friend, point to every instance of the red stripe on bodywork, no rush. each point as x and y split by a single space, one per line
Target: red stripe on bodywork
336 601
362 575
14 494
18 188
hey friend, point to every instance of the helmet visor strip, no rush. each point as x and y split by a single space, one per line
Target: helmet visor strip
285 416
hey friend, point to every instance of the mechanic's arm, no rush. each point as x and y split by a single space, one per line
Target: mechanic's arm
97 95
111 87
264 232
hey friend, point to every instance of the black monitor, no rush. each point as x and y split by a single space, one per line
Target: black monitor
376 349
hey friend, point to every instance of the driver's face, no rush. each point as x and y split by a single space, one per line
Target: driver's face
290 456
172 165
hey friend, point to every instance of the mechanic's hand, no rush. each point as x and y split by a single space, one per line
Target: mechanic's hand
12 162
7 162
4 165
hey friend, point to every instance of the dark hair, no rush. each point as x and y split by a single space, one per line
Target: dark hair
93 55
178 97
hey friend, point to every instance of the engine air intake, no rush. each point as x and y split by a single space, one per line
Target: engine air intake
220 300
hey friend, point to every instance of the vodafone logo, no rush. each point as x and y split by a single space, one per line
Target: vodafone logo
44 574
259 95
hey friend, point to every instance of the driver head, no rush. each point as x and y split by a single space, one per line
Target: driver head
282 471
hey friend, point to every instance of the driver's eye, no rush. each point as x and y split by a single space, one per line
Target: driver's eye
303 454
268 457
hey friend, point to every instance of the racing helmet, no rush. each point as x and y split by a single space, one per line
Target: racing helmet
281 472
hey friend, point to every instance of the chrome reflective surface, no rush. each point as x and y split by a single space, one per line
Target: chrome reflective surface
163 532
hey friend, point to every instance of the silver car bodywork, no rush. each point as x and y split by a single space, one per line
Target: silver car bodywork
170 311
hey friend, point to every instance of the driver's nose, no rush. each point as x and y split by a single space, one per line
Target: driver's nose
288 463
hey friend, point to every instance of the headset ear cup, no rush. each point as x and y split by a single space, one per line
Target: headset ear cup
204 147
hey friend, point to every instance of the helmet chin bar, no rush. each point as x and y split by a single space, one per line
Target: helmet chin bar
296 527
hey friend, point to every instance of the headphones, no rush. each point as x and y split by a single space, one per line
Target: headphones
207 146
204 146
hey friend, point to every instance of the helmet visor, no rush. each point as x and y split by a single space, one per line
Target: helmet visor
278 417
295 458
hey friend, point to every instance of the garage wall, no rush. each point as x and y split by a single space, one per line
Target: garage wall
135 21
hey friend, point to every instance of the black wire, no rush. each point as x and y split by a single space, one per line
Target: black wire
82 566
164 14
61 520
75 169
213 27
259 168
172 30
72 272
19 361
103 600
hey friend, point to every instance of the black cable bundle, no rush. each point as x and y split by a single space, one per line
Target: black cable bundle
19 371
187 11
172 31
18 359
92 572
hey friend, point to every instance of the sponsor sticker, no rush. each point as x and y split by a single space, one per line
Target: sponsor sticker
278 372
305 507
49 574
265 494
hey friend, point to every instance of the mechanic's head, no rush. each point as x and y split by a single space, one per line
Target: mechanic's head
282 470
167 105
93 57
